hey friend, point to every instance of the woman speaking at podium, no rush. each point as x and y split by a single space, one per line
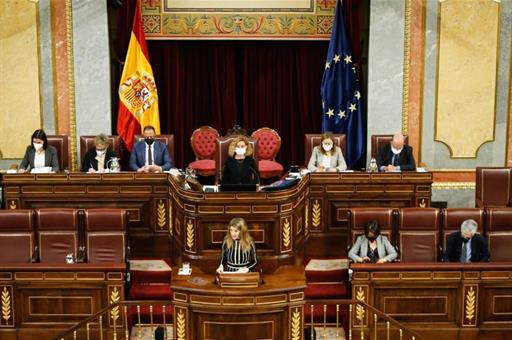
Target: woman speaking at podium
238 250
240 167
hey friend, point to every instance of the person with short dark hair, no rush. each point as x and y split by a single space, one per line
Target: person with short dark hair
39 154
372 246
96 159
150 155
466 245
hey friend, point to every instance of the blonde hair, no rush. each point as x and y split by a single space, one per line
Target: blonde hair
101 139
327 135
232 146
246 240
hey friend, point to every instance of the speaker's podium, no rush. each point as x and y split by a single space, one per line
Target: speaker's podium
238 306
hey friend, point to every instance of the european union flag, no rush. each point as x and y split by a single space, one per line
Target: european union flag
341 99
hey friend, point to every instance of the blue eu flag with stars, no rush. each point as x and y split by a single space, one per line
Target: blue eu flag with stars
341 99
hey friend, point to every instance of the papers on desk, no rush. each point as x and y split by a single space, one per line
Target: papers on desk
185 271
421 170
210 188
11 171
42 170
173 171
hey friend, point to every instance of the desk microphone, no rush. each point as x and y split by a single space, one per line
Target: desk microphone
262 281
255 172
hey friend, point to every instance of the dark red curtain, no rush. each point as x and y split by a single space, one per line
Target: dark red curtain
220 83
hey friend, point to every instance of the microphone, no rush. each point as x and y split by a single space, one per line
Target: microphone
255 172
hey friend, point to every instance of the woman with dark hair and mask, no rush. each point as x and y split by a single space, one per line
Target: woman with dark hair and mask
39 154
372 246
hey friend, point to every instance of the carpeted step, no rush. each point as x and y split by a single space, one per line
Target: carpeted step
326 290
150 291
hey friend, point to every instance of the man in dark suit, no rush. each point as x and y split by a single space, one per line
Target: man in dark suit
150 155
466 245
396 156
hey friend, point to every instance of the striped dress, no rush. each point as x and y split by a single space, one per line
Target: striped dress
235 258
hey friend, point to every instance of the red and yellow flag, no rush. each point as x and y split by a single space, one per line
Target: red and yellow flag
138 98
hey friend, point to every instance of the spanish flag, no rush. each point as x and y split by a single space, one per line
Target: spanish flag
138 98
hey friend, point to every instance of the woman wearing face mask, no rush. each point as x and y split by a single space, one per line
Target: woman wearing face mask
372 246
327 156
39 154
96 159
240 167
238 250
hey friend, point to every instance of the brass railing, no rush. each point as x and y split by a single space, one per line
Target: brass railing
364 322
112 322
360 325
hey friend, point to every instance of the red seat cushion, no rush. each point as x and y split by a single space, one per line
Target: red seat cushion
270 169
327 290
204 167
155 291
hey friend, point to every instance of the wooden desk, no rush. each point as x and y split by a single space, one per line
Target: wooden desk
451 297
274 310
40 300
164 218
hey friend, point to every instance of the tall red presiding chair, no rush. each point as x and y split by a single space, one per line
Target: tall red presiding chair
499 233
418 233
16 236
203 143
105 235
57 230
269 143
60 142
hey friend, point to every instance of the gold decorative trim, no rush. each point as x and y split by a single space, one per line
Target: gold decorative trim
170 218
317 214
360 312
71 85
12 205
6 305
181 331
407 62
286 233
114 298
454 186
470 304
295 325
306 218
161 217
190 235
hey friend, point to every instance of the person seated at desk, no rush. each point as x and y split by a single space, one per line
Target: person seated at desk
396 156
372 246
466 245
150 155
327 156
240 167
238 249
39 154
96 159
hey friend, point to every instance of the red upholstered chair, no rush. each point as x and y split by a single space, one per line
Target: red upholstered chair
166 139
16 236
57 230
105 235
378 141
221 151
499 233
269 143
418 234
493 186
453 218
203 143
313 139
60 142
115 143
359 217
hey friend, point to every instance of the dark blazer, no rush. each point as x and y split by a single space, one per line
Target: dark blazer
160 156
245 172
90 160
479 250
50 158
406 158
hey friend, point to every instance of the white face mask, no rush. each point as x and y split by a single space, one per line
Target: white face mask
100 152
38 146
327 147
240 151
